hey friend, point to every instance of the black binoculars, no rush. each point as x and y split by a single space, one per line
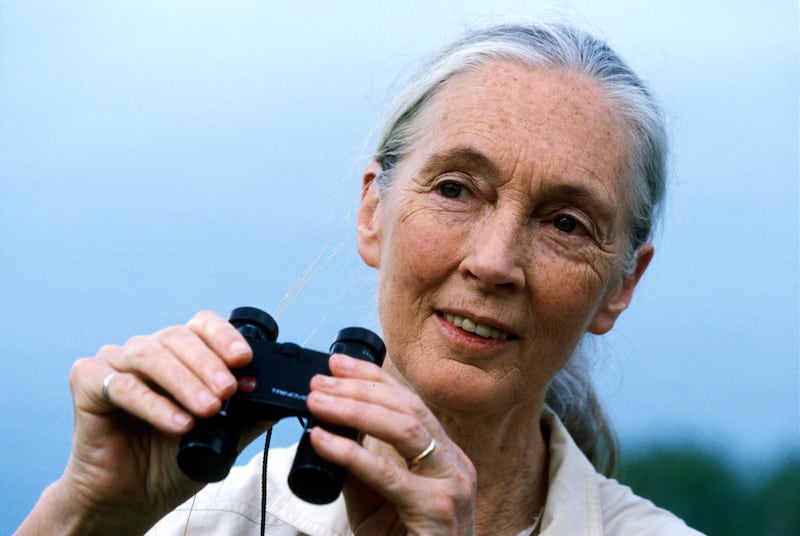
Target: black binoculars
275 385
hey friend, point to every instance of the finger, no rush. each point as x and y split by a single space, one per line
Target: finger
405 432
389 478
389 393
440 499
126 392
404 420
222 338
345 366
151 362
195 354
129 393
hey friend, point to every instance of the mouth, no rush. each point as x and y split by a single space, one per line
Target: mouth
471 326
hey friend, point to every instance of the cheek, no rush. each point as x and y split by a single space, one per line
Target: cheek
417 258
566 297
419 252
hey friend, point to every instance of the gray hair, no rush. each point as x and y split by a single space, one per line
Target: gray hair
554 45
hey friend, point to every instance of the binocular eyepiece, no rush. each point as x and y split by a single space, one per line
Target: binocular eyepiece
275 385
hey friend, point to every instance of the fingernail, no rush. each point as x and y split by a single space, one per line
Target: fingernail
344 362
320 434
322 398
224 380
239 348
181 420
324 381
206 399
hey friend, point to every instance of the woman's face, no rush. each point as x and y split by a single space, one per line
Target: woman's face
499 242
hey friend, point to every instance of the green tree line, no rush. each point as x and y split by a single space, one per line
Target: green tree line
715 495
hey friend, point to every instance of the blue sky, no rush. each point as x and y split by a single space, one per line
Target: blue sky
157 158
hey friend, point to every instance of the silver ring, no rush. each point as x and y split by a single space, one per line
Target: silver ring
106 383
416 460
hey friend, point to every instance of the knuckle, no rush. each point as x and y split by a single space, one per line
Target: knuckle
350 453
124 385
203 318
417 407
173 334
350 409
139 347
390 475
210 326
444 506
466 476
134 342
207 314
450 503
466 484
172 331
359 390
413 429
129 387
107 350
472 480
152 400
79 370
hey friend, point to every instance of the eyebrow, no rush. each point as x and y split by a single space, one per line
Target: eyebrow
460 158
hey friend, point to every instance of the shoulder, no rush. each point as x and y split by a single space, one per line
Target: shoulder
582 501
624 512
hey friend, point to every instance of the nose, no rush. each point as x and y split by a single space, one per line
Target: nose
495 251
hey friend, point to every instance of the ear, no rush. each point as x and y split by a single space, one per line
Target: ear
619 300
368 221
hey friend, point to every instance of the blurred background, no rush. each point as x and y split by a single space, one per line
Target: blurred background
157 158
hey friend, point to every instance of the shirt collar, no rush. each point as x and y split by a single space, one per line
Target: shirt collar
573 504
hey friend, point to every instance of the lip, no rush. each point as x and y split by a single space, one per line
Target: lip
511 334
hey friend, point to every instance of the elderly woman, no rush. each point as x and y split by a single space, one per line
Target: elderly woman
507 210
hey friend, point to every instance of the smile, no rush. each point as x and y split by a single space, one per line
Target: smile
479 329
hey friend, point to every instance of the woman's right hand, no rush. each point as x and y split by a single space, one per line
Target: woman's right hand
122 474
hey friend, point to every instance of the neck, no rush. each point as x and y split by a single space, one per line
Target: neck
510 455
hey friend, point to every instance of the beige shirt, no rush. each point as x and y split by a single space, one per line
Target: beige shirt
579 502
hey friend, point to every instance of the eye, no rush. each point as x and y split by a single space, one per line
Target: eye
451 190
568 224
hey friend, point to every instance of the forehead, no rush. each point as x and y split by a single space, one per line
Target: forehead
529 122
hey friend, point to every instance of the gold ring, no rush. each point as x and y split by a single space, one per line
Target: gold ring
106 383
416 460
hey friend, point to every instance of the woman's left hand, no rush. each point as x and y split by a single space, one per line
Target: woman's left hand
434 495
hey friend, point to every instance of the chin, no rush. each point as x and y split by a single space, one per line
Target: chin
459 388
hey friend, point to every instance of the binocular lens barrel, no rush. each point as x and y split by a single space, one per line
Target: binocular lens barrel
208 452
